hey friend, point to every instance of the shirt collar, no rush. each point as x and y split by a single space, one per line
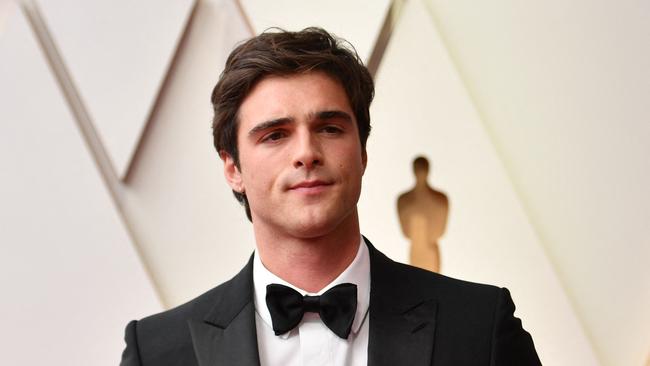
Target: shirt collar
358 273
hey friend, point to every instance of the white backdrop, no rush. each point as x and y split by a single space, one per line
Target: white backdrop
69 274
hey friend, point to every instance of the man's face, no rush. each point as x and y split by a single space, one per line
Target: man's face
301 161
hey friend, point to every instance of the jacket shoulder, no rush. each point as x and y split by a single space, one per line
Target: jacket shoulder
471 318
445 286
164 338
403 279
166 335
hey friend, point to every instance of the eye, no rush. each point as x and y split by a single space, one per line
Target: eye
332 129
274 136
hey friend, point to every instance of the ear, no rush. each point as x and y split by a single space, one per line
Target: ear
364 159
231 172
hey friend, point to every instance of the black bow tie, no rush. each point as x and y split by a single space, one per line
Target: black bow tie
336 307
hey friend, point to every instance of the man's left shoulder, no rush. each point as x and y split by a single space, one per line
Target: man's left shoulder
471 318
446 289
406 279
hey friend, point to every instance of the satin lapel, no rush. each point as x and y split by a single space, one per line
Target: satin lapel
402 323
236 345
227 335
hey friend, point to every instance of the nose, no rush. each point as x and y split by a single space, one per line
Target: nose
308 152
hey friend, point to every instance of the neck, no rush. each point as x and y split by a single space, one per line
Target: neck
421 185
309 263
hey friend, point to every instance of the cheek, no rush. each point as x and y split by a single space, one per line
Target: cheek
260 179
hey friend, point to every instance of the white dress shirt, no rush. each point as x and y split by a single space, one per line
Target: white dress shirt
311 343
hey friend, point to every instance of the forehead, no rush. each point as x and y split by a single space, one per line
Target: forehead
293 96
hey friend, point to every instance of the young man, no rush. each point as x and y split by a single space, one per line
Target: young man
291 124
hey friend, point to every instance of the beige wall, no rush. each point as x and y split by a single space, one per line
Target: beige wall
422 107
69 273
563 90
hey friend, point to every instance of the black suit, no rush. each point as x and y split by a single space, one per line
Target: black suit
417 318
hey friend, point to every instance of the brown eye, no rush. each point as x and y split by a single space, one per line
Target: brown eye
330 129
274 136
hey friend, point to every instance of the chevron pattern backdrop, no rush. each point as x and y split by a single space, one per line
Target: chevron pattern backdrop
534 116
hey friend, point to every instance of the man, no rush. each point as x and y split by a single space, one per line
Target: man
291 124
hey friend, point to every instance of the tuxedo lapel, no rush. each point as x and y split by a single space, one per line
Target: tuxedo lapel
227 335
402 338
402 322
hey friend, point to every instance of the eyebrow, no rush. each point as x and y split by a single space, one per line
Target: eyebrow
269 125
322 115
325 115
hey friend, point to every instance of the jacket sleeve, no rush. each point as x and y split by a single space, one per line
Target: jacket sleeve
511 343
131 354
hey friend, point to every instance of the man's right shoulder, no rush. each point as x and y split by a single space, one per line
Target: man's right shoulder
158 338
165 336
198 308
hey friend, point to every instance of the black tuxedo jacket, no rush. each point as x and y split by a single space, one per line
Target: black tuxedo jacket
417 318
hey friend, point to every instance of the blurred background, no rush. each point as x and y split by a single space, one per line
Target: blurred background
534 117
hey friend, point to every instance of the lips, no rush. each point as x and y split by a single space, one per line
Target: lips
311 186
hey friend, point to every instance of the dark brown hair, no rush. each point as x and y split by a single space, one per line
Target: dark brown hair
279 52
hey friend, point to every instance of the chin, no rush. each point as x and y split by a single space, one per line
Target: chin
318 224
312 229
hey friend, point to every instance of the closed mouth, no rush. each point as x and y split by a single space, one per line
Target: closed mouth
309 184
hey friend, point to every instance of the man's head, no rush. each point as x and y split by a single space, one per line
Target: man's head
281 53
